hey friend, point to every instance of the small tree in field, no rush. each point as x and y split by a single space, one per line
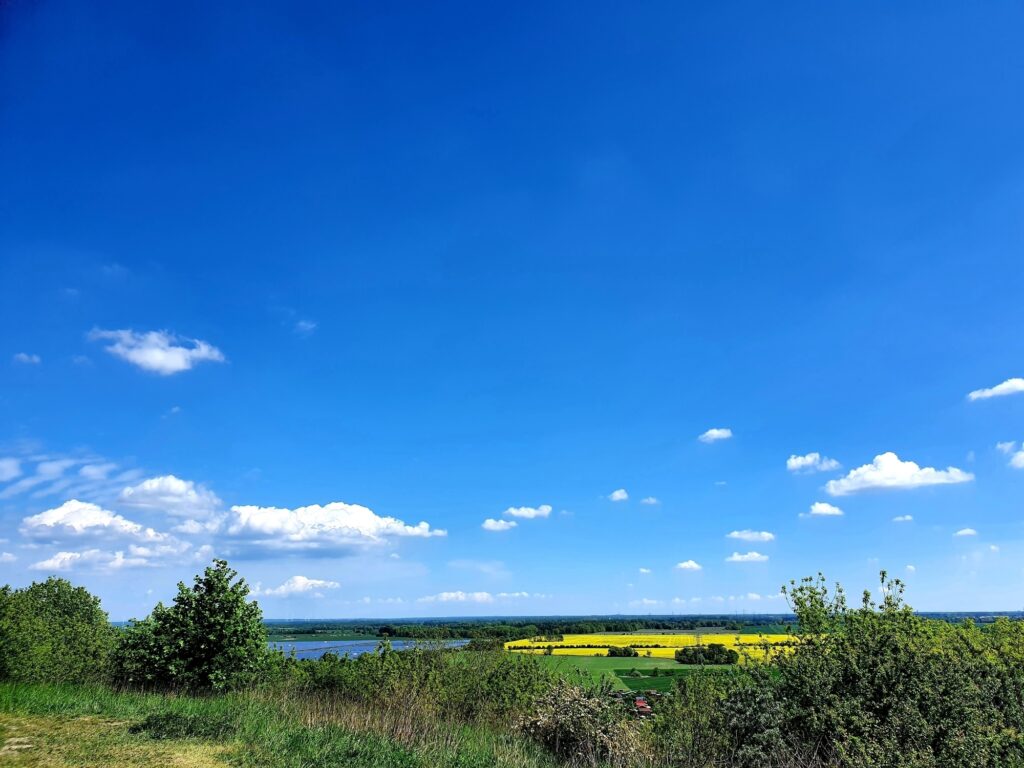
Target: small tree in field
211 638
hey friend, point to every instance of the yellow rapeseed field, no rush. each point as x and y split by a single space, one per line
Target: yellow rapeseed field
752 646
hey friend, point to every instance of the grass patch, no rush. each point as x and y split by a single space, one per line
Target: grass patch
598 668
84 726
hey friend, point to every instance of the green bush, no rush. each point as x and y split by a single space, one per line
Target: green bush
52 631
625 653
211 638
712 653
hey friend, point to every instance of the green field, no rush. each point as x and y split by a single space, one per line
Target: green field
599 667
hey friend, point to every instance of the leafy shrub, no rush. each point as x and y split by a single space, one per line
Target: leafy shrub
211 638
626 652
52 631
713 653
586 727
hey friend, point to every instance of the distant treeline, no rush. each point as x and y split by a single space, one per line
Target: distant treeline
503 629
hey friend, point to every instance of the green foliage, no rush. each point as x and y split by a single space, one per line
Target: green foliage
585 727
211 638
626 652
712 653
52 631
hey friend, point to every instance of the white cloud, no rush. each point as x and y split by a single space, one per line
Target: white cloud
645 570
7 557
65 561
1006 447
157 351
298 585
1017 460
97 471
172 496
1008 387
47 471
748 535
26 359
9 469
811 462
650 501
336 524
76 518
966 532
688 565
746 557
644 602
889 471
715 434
513 595
618 495
529 513
911 569
305 327
490 524
993 547
903 518
458 597
823 509
752 596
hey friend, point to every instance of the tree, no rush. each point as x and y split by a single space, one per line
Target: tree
211 638
53 631
712 653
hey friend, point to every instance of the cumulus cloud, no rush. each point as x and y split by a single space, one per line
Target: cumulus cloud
618 495
334 525
298 585
7 557
966 532
458 597
688 565
889 471
1017 459
903 518
157 351
650 501
490 524
1008 387
27 359
75 518
811 462
715 434
174 497
10 468
514 595
746 557
66 561
823 509
748 535
528 513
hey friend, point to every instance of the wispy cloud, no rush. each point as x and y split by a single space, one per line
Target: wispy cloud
749 535
903 518
888 471
26 358
157 351
458 597
1008 387
650 501
966 532
746 557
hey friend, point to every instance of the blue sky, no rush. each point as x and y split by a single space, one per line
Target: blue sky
322 290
